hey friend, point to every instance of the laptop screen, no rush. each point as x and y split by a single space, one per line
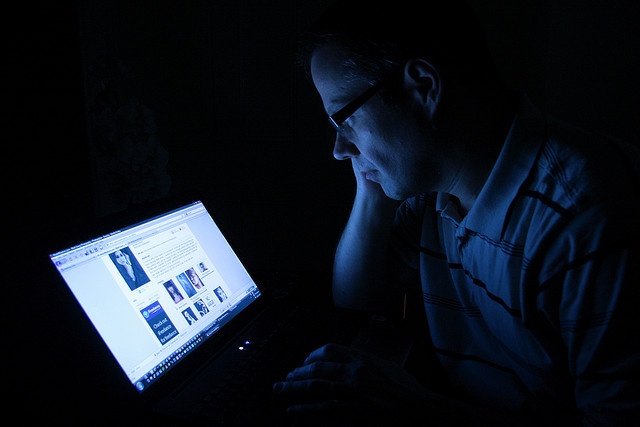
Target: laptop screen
158 289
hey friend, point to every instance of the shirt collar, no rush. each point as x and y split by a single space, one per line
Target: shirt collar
515 161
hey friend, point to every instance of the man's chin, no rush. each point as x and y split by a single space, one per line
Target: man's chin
397 193
393 194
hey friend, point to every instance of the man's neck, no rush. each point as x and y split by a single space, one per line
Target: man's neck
482 146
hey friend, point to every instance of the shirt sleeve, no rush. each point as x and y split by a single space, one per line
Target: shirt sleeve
591 297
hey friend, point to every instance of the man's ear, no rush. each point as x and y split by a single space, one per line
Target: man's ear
425 84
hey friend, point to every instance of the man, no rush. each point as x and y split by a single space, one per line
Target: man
520 231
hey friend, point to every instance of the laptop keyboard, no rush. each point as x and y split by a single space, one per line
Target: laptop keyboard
232 403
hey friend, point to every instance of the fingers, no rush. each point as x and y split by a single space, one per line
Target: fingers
320 370
331 353
325 385
341 383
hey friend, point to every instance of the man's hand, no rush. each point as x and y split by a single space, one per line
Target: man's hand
364 185
342 386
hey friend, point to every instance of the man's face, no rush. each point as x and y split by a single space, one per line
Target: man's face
386 144
120 257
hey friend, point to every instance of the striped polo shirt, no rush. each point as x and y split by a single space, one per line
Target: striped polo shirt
529 297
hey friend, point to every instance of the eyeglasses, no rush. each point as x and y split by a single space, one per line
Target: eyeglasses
340 116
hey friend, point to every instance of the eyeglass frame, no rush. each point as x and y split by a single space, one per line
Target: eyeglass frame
338 118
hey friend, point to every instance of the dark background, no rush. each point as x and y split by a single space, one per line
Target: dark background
116 103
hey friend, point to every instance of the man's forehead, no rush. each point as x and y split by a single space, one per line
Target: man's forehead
329 74
327 63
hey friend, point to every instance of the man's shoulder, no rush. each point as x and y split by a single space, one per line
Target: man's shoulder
588 165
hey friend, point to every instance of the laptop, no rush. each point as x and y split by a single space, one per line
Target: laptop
182 321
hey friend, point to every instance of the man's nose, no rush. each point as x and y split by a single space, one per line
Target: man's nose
343 149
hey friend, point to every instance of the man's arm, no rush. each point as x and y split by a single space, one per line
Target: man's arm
360 270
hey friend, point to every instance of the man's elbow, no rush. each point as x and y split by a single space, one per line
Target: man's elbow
360 302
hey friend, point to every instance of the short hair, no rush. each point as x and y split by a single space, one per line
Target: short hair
379 37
